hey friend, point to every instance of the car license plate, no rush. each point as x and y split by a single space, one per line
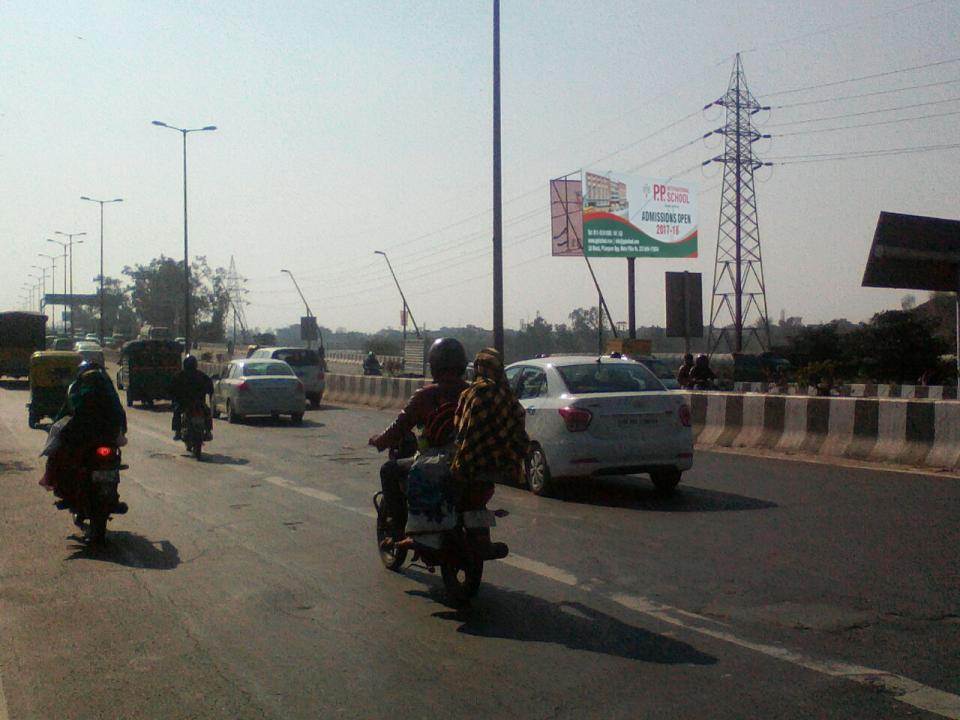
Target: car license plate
635 420
106 476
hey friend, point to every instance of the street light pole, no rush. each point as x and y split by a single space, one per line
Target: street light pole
406 307
102 203
69 244
186 248
497 198
305 304
53 281
43 284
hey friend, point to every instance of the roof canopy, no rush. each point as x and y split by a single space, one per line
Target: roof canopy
912 252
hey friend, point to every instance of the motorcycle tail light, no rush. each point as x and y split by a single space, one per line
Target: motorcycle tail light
104 452
684 414
576 419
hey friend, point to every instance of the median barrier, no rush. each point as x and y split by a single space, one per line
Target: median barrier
914 432
374 391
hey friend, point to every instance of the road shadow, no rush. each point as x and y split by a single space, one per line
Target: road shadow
514 615
154 407
282 421
217 459
638 494
130 550
19 385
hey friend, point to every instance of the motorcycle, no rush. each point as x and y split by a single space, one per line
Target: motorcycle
375 370
100 478
195 427
458 551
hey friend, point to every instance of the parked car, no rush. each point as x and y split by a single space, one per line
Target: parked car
307 364
600 416
91 337
254 386
90 351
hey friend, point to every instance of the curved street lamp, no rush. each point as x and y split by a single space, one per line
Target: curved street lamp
68 245
102 203
186 250
406 307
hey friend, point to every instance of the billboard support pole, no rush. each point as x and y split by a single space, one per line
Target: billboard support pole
686 312
603 302
632 297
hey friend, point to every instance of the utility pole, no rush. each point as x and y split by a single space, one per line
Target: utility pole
739 291
497 199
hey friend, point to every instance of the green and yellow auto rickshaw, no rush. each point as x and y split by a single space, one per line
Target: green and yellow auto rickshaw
147 368
51 372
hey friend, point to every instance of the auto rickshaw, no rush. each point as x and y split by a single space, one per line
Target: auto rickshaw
147 368
51 372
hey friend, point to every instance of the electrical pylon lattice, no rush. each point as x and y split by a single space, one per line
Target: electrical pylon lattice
236 291
738 306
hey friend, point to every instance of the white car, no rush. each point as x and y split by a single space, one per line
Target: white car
601 416
90 351
305 363
258 387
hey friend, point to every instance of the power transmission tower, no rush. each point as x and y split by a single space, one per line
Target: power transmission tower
236 292
739 293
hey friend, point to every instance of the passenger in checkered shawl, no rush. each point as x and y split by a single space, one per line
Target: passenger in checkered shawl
490 423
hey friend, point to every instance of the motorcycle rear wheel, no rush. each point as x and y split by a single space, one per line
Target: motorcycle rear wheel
462 579
392 558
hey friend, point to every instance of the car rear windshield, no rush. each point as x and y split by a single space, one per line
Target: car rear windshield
266 368
658 368
298 358
608 378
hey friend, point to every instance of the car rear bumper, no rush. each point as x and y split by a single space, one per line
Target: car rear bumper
573 459
271 406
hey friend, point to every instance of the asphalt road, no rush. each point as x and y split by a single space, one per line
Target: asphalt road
248 586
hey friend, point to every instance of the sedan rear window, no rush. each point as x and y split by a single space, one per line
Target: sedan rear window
608 378
298 358
256 369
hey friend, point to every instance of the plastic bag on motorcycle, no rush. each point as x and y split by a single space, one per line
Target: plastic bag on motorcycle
432 494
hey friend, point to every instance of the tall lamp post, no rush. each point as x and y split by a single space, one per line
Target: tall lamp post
186 253
102 203
43 284
406 307
69 244
53 281
305 304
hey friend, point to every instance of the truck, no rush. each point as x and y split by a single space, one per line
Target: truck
21 335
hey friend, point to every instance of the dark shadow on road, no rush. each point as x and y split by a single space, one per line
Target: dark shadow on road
282 421
216 459
155 407
512 615
15 385
130 550
638 494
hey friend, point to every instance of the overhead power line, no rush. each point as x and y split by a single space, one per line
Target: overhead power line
864 112
863 125
864 95
859 154
862 77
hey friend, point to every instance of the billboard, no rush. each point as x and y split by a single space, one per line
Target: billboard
684 304
64 299
566 217
623 216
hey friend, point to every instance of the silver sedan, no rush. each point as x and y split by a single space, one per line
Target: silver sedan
258 387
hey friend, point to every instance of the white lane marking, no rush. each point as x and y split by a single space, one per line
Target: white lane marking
903 689
320 495
538 568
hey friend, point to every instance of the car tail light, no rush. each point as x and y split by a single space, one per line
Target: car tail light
576 419
299 387
683 412
104 452
244 386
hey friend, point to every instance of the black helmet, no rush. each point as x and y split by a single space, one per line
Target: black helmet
688 358
87 365
447 354
189 363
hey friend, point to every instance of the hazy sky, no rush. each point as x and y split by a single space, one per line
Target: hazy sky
346 128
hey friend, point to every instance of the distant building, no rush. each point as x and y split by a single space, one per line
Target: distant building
606 195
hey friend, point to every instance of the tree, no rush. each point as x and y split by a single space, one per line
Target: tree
896 346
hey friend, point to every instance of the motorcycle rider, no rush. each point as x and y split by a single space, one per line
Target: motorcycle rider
702 377
448 363
191 387
371 364
96 417
683 374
